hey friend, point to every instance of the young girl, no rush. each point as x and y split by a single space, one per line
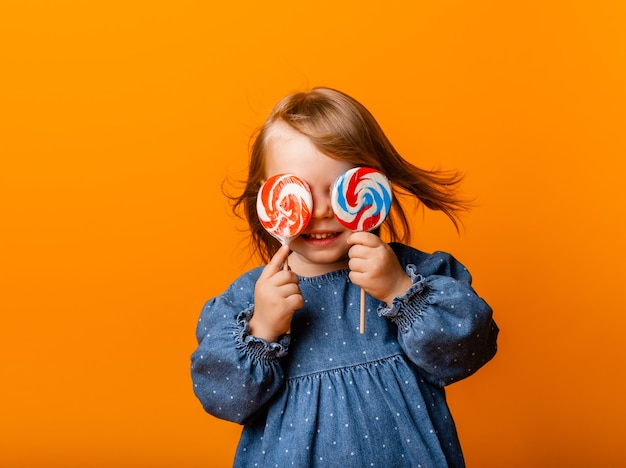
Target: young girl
280 351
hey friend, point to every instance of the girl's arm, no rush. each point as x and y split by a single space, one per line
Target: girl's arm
234 373
443 326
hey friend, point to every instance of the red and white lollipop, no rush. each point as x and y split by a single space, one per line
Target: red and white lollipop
284 205
361 199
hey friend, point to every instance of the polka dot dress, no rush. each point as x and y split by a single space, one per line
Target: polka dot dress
329 396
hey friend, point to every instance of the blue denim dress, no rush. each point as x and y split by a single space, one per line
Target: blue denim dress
327 395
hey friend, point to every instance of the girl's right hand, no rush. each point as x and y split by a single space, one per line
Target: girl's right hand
276 298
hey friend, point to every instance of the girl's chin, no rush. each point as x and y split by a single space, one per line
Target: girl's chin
318 262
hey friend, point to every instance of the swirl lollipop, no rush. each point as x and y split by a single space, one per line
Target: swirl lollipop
361 199
284 204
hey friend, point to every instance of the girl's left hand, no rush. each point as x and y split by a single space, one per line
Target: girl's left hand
375 267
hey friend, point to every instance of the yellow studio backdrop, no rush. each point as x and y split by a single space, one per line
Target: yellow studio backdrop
120 120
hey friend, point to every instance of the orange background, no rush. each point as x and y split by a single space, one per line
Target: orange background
120 119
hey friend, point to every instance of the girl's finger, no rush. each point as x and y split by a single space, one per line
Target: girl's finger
357 251
364 238
277 261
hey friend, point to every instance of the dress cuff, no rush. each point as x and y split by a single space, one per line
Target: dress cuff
258 348
406 308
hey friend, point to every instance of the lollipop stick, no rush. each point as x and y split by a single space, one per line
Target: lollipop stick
286 267
286 262
362 317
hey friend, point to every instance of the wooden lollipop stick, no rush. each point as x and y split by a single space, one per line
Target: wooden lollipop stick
362 316
286 267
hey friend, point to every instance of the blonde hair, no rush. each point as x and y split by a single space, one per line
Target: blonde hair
342 128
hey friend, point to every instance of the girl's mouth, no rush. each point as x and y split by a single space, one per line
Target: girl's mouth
317 236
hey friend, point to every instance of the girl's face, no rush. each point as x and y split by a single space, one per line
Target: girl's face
323 246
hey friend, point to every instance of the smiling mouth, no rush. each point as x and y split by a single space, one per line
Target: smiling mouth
320 235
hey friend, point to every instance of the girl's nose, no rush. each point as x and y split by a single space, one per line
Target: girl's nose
322 207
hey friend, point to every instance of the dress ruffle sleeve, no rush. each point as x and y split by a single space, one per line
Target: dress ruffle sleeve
234 374
444 327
